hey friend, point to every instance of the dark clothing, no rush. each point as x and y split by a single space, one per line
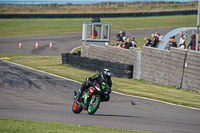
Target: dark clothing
155 42
89 81
119 37
172 43
126 45
148 42
123 33
192 42
133 43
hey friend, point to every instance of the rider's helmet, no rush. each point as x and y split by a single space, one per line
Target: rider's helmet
105 74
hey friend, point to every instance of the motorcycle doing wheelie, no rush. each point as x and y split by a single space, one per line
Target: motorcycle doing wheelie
91 98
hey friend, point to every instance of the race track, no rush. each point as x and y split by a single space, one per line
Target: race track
29 94
62 43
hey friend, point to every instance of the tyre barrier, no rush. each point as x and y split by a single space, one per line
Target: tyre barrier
102 15
119 70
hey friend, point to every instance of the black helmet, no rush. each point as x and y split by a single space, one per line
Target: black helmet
105 74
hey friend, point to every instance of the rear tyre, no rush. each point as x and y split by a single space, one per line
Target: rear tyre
94 104
76 108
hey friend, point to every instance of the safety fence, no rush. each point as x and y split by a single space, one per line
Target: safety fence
119 70
102 15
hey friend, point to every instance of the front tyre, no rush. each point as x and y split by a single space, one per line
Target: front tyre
76 108
94 104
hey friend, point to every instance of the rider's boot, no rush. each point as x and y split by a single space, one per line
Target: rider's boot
79 97
80 92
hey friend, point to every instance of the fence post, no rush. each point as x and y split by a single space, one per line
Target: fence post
99 4
124 4
166 2
57 4
141 3
82 4
138 65
40 4
107 4
150 3
158 3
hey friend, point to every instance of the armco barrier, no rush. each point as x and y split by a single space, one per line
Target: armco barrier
102 15
120 70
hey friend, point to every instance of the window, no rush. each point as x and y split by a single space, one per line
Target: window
98 32
105 32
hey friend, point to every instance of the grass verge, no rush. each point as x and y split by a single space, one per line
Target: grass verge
18 27
33 126
128 86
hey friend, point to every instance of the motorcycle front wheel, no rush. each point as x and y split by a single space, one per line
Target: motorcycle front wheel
94 104
76 108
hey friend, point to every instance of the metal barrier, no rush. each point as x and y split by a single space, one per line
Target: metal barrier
102 15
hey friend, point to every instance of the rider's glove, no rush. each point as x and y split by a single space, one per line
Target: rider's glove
88 81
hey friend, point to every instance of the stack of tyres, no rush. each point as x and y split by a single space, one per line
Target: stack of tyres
119 70
123 70
86 63
65 58
93 64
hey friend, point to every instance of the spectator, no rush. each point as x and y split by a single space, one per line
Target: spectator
133 42
172 42
123 32
117 43
192 42
94 35
155 40
119 36
127 44
182 40
159 36
148 42
123 39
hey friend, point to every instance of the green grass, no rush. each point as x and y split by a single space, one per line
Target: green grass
128 86
33 126
18 27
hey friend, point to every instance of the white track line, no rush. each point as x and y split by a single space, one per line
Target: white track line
112 91
74 49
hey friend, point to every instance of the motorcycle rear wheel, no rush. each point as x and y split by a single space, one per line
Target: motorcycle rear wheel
94 104
76 108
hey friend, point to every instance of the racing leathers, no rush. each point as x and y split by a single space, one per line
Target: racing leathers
89 81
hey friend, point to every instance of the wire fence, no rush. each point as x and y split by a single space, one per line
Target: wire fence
94 6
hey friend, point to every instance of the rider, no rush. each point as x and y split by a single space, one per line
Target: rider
105 75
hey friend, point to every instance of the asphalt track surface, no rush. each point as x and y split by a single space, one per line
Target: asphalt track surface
30 94
62 43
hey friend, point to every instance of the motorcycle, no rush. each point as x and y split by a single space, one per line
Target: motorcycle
91 98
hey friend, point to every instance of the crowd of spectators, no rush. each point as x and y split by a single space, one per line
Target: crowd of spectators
124 42
156 37
182 42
